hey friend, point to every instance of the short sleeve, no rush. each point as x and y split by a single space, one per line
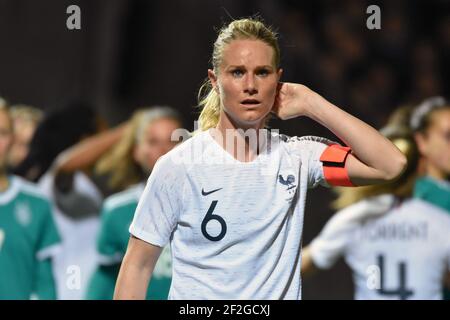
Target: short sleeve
337 235
107 241
332 242
48 238
159 207
310 149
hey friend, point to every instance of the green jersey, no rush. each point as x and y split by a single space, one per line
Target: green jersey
28 239
435 192
117 215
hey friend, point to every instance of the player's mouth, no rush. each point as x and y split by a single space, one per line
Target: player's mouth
250 102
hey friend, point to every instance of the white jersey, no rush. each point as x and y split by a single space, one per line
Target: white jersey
75 263
403 253
235 228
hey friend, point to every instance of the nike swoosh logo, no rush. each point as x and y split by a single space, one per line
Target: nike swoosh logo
209 192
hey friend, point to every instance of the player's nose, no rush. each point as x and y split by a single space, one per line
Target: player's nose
250 84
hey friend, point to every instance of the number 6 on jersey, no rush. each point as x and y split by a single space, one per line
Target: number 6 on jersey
210 216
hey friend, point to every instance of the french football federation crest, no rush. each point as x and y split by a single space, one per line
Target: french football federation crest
288 180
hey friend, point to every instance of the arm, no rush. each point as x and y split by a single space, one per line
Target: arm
375 158
338 234
136 270
308 266
87 152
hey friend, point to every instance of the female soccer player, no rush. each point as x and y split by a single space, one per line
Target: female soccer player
431 124
28 236
148 138
398 247
234 216
25 120
101 165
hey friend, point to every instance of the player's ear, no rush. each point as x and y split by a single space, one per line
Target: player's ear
213 79
421 142
279 73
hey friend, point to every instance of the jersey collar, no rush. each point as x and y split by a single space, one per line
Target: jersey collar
11 192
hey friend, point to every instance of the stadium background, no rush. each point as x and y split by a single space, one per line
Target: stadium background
132 53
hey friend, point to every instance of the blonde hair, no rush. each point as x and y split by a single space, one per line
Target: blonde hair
399 133
26 112
3 103
421 117
4 107
243 29
119 163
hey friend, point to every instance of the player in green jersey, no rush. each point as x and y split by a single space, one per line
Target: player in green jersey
151 134
431 123
117 214
28 237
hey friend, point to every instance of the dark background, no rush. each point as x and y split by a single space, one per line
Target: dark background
133 53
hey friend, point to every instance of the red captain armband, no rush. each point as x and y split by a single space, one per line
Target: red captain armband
333 159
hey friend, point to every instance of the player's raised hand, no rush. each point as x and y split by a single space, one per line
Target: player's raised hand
292 100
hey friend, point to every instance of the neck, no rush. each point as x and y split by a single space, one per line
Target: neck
243 142
4 182
437 174
225 122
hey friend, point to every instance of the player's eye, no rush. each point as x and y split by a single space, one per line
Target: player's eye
237 73
263 72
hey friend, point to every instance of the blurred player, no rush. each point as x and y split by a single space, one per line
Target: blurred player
397 247
3 103
25 120
148 138
234 216
28 237
76 201
431 124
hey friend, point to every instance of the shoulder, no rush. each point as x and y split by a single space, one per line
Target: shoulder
305 140
195 139
303 144
366 209
123 199
184 156
30 201
30 191
428 210
437 219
